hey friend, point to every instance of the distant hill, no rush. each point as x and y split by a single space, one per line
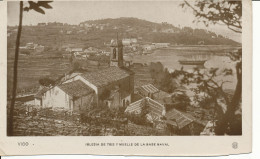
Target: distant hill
97 33
161 32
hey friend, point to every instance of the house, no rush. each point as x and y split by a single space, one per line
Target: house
130 41
88 25
41 24
91 50
39 48
155 109
38 96
201 42
182 123
161 45
69 32
128 61
68 49
169 30
148 47
154 93
76 50
74 96
148 90
30 45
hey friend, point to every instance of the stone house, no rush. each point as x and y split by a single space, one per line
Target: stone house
75 96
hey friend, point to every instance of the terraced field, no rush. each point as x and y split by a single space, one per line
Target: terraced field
33 68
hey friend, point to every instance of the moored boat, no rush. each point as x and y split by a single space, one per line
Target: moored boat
192 62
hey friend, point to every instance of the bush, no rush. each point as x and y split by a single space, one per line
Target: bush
46 82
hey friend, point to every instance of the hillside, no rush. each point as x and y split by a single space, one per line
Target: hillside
95 33
160 32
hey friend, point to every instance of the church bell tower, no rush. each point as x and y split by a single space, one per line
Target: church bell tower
116 54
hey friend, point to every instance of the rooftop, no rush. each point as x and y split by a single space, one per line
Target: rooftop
76 88
180 118
106 76
149 88
154 107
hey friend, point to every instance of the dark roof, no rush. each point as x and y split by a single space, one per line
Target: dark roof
76 88
107 75
25 98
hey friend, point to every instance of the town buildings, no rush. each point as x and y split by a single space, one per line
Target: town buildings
112 86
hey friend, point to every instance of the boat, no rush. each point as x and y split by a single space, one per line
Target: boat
192 62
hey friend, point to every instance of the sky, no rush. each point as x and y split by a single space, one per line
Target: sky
80 11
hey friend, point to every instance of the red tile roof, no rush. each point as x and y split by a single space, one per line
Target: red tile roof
76 88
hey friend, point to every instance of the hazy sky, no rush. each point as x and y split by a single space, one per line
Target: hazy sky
79 11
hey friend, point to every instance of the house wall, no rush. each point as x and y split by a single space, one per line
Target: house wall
56 98
125 85
116 101
37 101
31 102
127 100
82 104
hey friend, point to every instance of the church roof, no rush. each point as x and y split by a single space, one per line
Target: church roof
76 88
106 76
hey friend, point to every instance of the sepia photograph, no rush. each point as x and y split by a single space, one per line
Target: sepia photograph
124 68
126 77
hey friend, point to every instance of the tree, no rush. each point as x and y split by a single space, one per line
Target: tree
218 12
36 6
228 13
162 77
46 82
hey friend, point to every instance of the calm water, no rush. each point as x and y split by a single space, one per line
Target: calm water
169 58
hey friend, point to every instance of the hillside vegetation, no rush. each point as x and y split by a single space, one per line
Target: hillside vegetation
95 33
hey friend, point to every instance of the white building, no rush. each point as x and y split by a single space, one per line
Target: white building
73 96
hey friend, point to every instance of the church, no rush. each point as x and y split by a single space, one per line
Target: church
112 86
